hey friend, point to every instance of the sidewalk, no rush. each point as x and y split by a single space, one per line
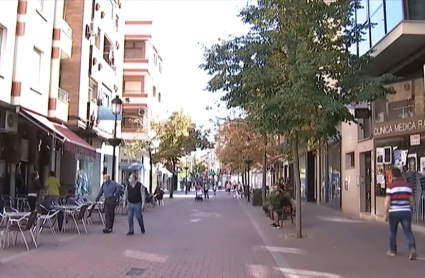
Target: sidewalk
209 239
336 246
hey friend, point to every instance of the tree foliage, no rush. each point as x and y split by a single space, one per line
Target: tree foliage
177 137
293 73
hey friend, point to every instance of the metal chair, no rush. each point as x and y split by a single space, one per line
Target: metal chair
80 215
22 225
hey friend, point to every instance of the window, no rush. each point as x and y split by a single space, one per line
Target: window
154 91
155 59
2 39
364 128
97 38
105 96
93 91
134 50
349 160
394 12
108 51
377 19
116 22
37 63
40 5
112 8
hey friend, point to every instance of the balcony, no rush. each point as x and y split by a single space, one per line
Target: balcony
134 94
65 40
62 105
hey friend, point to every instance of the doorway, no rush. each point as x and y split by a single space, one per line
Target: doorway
366 182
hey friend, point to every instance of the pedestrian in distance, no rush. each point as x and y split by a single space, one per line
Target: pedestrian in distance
206 191
136 198
111 190
398 205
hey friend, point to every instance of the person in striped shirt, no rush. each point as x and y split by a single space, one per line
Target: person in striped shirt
398 205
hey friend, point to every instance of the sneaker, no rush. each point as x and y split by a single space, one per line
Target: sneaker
130 233
412 255
391 253
274 225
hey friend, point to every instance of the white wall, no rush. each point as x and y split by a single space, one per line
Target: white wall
38 34
8 18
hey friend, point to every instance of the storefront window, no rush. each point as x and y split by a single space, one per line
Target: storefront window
394 13
398 106
84 178
333 190
377 20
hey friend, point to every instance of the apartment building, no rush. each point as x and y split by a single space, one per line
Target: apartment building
91 78
141 93
394 134
57 58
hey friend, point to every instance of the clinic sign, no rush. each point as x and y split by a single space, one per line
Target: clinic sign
398 128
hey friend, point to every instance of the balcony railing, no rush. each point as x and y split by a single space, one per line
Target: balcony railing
133 92
63 95
131 123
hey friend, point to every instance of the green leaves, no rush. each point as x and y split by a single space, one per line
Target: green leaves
293 72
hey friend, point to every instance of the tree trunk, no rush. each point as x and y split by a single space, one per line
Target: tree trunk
296 159
150 171
174 180
263 188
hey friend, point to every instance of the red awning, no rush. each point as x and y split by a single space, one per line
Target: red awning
73 143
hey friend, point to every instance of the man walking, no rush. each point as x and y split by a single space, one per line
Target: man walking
398 205
111 190
206 190
135 199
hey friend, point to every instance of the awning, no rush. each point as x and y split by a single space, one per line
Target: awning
132 166
72 142
164 171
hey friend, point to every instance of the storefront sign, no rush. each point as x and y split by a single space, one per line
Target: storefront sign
362 113
399 128
415 140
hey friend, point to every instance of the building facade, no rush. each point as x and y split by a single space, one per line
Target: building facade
60 68
142 96
394 135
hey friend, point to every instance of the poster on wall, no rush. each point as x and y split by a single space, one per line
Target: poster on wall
412 162
415 140
422 163
380 181
379 156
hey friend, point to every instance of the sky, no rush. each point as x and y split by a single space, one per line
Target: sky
180 28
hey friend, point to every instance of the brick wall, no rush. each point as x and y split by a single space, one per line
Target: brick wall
70 68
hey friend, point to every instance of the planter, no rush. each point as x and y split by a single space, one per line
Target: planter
256 198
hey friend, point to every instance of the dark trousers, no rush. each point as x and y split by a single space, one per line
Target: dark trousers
110 204
32 200
206 194
405 218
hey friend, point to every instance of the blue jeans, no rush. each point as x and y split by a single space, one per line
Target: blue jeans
405 218
135 209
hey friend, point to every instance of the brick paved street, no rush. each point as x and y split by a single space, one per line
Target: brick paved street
220 238
221 245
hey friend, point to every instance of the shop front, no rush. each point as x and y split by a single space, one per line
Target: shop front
399 141
330 174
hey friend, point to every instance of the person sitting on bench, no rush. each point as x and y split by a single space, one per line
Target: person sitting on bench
279 209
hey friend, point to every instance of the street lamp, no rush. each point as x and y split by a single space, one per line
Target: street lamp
114 142
186 168
248 163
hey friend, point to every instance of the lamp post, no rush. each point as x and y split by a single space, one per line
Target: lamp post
114 142
186 168
248 163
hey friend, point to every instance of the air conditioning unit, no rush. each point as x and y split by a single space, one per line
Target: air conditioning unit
141 112
8 122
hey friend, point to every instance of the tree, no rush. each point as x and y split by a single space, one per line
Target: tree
294 72
177 137
144 142
236 142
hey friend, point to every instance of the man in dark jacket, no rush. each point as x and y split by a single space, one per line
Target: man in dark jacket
111 190
34 188
135 199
